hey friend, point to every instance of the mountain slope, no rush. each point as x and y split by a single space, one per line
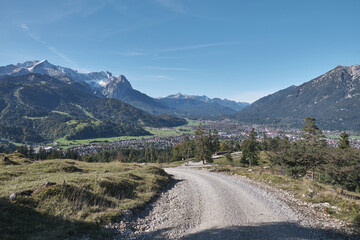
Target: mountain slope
332 98
36 107
120 88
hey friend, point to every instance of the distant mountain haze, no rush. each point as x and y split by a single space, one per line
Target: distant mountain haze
200 106
237 106
332 98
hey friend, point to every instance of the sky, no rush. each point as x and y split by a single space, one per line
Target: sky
234 49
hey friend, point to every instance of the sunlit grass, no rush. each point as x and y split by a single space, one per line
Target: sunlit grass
93 193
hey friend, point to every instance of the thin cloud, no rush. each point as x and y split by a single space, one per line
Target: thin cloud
173 5
60 54
151 78
26 29
197 46
93 10
133 54
162 77
157 53
168 68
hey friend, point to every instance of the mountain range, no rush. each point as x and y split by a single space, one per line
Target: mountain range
40 101
37 107
332 98
104 84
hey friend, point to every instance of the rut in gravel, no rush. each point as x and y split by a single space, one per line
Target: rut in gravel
206 205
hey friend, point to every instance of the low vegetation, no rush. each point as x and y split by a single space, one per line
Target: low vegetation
59 198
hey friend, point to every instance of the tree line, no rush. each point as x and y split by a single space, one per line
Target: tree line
339 166
310 156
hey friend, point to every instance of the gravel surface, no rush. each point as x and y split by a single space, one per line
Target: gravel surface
206 205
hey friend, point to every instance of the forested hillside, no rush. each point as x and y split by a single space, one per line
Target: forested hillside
36 107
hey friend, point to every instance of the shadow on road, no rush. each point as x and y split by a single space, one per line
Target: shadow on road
280 230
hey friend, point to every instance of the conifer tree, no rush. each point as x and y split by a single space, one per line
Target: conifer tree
250 149
344 140
203 148
315 142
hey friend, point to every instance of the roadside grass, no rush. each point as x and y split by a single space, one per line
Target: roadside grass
93 194
338 203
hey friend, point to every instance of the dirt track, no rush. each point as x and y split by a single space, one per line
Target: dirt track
207 205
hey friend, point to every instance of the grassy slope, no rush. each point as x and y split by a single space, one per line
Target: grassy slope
94 194
346 208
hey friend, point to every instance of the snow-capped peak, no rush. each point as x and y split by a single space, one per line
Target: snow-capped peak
96 80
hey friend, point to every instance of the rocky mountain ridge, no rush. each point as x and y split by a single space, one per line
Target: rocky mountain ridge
104 84
97 81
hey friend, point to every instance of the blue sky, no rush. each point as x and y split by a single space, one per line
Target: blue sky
240 50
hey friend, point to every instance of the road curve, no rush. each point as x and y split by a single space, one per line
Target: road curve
207 205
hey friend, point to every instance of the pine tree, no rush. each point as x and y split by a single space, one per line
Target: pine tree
214 141
265 142
147 154
152 153
250 149
315 142
344 140
132 156
312 133
187 148
203 149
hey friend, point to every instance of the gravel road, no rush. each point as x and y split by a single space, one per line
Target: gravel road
207 205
